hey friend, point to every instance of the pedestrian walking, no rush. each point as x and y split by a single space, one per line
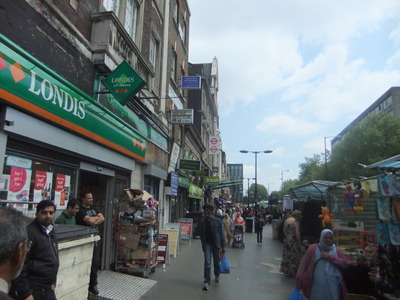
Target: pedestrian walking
291 254
212 242
39 275
259 225
228 229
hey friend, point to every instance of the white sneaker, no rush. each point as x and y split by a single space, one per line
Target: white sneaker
217 278
205 287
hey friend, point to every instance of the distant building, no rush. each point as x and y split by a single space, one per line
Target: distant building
388 103
235 172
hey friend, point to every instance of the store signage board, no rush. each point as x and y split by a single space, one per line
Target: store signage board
191 82
185 228
211 180
195 191
20 162
172 229
187 164
163 250
182 116
174 183
34 88
124 83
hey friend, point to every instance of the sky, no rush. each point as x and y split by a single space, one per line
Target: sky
293 74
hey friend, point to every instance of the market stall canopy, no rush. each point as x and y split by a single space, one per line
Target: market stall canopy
314 190
227 183
389 164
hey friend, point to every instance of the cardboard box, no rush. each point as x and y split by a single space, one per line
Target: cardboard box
140 253
124 254
132 240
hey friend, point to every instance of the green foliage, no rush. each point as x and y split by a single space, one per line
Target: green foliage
374 138
262 192
312 169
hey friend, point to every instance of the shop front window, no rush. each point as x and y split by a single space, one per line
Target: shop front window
26 181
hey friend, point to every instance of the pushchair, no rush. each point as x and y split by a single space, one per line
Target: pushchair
238 236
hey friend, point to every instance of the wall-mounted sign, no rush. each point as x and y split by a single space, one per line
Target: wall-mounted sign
182 116
192 165
31 86
214 145
174 183
191 82
124 82
211 180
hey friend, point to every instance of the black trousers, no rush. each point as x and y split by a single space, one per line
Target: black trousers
259 235
95 265
44 294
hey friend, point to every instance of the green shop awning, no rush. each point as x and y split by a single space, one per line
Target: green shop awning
195 191
227 183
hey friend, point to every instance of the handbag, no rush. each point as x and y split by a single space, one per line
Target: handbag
296 295
224 266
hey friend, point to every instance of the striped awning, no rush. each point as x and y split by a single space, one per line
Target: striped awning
392 163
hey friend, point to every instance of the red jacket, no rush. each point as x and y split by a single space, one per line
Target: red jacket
305 273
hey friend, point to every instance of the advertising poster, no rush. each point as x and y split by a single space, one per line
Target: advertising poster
42 187
18 189
162 248
61 193
185 228
173 237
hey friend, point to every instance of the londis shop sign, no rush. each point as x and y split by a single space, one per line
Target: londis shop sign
124 82
36 89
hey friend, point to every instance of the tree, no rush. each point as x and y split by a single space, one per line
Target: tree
312 169
262 192
374 138
287 184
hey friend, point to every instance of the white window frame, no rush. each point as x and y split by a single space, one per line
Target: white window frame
111 5
153 51
174 62
175 12
131 14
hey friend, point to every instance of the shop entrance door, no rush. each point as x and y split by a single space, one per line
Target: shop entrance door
101 186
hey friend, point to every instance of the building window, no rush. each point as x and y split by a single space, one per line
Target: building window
153 51
175 12
173 65
131 18
182 32
111 5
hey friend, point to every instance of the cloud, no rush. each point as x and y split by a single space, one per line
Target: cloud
288 125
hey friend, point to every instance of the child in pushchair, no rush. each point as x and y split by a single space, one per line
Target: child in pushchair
238 236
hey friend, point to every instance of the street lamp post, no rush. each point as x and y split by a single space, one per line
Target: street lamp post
255 165
282 179
325 153
248 190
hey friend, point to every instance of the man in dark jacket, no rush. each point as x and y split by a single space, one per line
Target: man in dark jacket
212 242
39 274
14 245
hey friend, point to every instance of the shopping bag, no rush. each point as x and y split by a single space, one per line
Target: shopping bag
224 266
296 295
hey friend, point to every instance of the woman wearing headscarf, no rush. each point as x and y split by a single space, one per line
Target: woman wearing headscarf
239 219
228 228
320 271
291 253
